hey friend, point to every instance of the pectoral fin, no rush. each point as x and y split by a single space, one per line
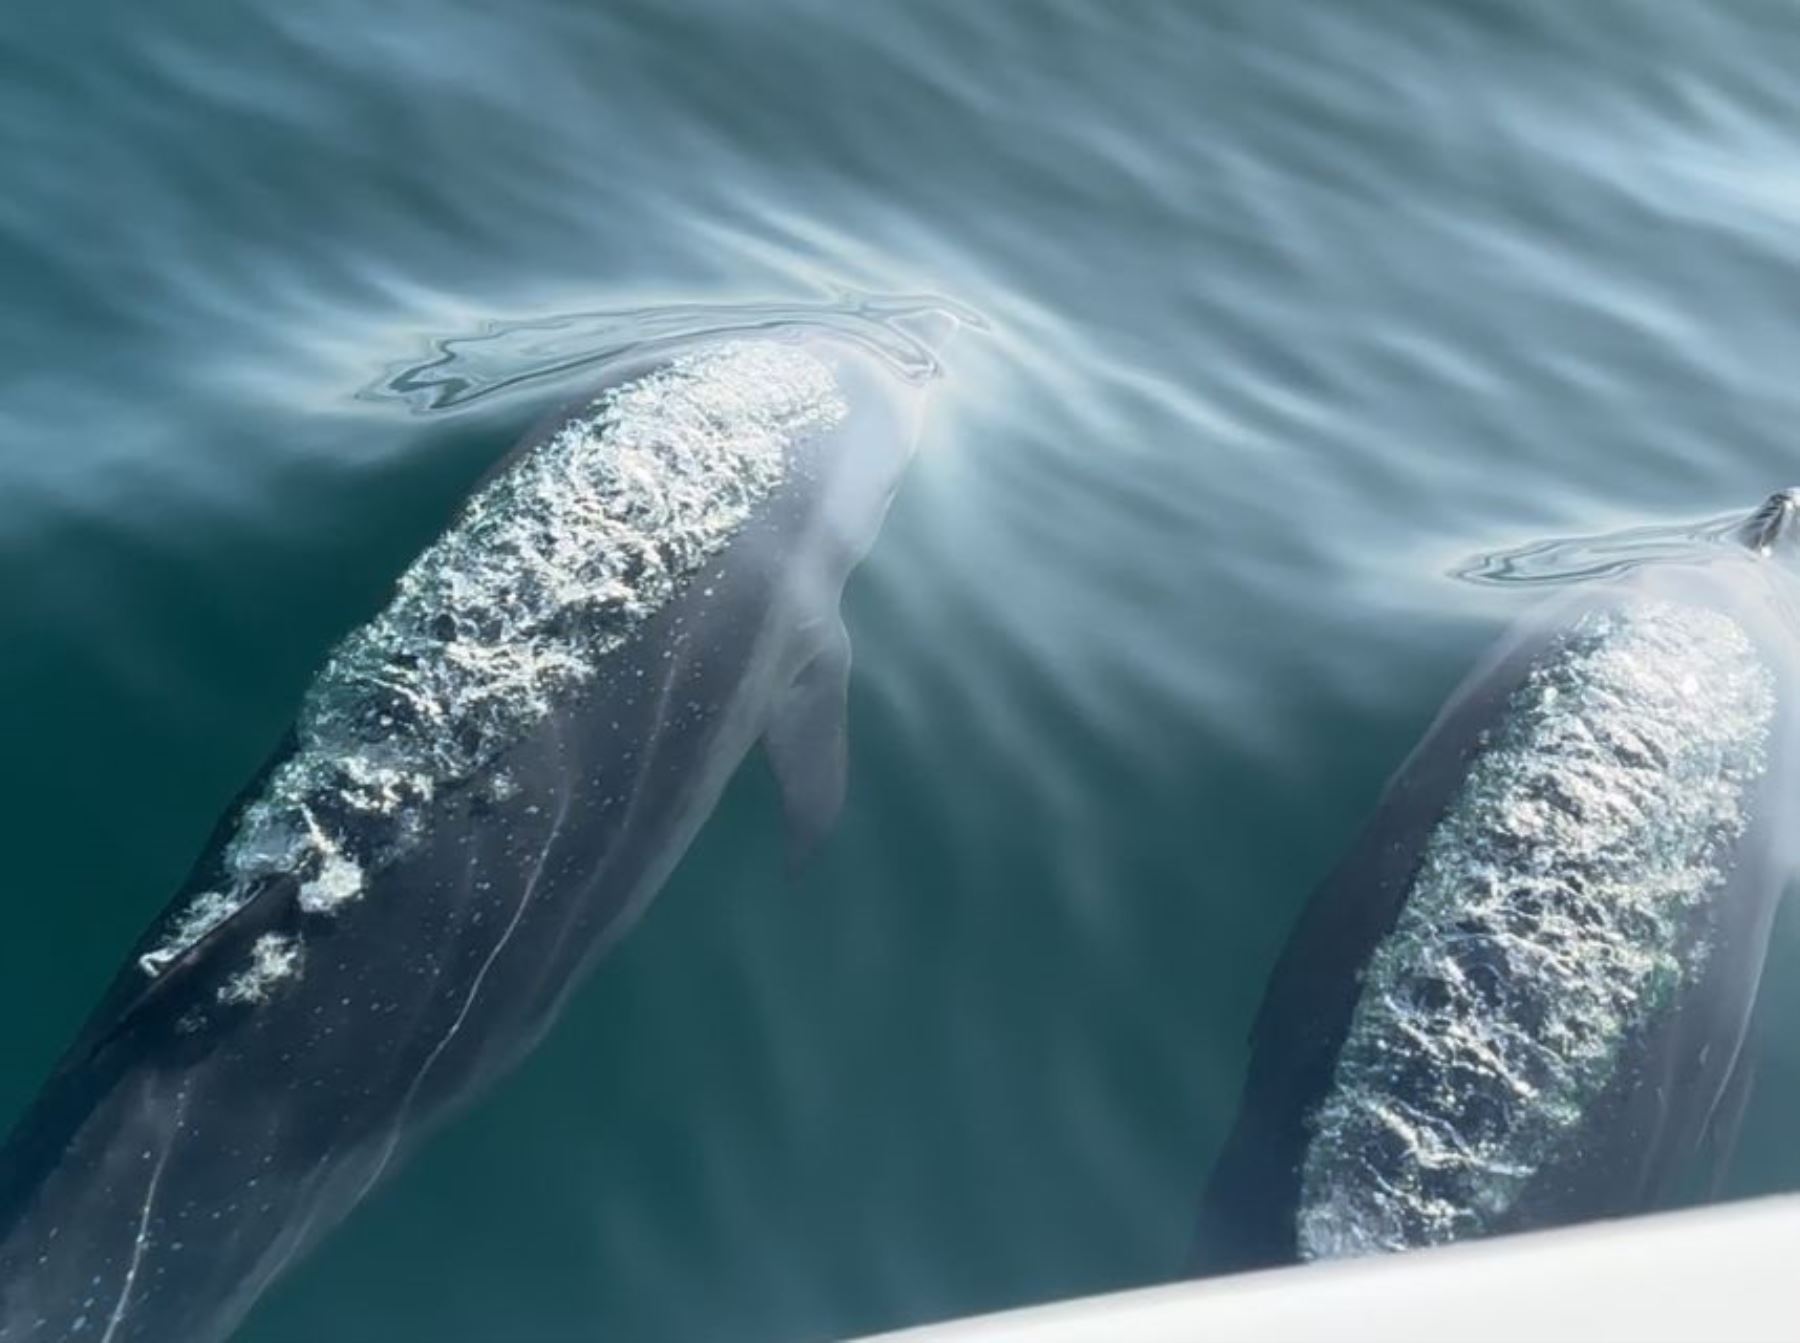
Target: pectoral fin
806 744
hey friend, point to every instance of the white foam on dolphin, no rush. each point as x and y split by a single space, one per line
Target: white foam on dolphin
273 958
549 567
1559 903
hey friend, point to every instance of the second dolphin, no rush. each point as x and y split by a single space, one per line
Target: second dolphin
1522 998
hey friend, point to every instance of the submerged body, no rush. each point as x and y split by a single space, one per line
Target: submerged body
1521 1000
485 786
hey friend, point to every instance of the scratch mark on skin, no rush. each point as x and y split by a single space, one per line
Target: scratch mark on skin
525 899
664 697
142 1242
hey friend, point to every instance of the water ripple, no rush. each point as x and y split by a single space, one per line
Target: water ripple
1581 559
502 357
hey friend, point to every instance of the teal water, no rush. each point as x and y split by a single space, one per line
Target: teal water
1292 310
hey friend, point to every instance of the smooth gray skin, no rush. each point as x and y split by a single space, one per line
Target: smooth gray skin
163 1179
1676 1103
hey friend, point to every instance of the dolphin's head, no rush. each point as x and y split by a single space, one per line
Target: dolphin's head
1773 526
886 395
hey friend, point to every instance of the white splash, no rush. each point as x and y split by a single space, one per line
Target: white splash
338 882
549 568
1560 903
273 958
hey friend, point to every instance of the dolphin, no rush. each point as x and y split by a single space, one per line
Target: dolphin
1521 999
484 787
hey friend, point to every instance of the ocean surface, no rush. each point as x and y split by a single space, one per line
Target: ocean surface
1290 313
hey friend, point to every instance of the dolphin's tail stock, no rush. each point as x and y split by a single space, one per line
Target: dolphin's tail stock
139 1203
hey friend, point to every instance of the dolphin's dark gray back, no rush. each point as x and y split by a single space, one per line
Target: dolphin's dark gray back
253 1073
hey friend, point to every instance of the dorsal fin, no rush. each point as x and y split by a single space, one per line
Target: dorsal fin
134 992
